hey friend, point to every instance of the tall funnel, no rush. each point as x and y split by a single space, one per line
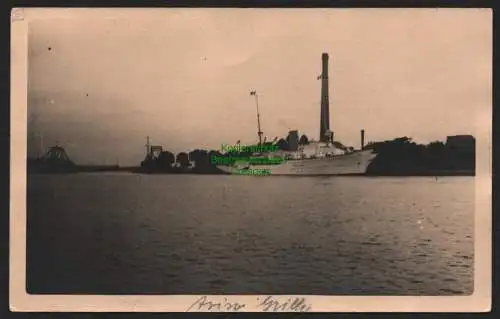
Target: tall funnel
324 136
362 139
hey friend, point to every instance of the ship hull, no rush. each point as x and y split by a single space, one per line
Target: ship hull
350 164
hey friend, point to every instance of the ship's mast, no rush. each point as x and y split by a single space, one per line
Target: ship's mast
148 147
259 132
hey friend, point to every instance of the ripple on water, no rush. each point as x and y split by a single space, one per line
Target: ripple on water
449 280
451 291
241 240
370 243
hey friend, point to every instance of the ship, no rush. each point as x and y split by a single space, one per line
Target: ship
355 163
325 157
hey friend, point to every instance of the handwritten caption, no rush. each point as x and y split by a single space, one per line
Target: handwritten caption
266 304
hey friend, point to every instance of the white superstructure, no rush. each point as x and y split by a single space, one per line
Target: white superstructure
307 162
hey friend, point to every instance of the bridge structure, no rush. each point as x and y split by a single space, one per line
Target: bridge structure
57 153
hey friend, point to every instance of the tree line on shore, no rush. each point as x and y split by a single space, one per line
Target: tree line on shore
182 162
179 163
400 156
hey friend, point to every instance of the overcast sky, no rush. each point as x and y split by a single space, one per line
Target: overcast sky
100 81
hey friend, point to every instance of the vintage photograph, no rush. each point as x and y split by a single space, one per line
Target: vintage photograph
254 152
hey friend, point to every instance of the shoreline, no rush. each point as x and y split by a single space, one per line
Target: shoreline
138 170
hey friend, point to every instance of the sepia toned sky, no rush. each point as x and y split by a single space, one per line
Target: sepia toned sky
101 80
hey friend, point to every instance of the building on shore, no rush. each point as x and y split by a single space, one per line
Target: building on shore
461 142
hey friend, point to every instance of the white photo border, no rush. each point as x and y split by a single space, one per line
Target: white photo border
20 300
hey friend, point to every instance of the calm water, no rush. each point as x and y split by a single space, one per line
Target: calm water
179 234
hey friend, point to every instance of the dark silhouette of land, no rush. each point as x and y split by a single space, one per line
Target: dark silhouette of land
397 157
54 161
402 156
194 162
